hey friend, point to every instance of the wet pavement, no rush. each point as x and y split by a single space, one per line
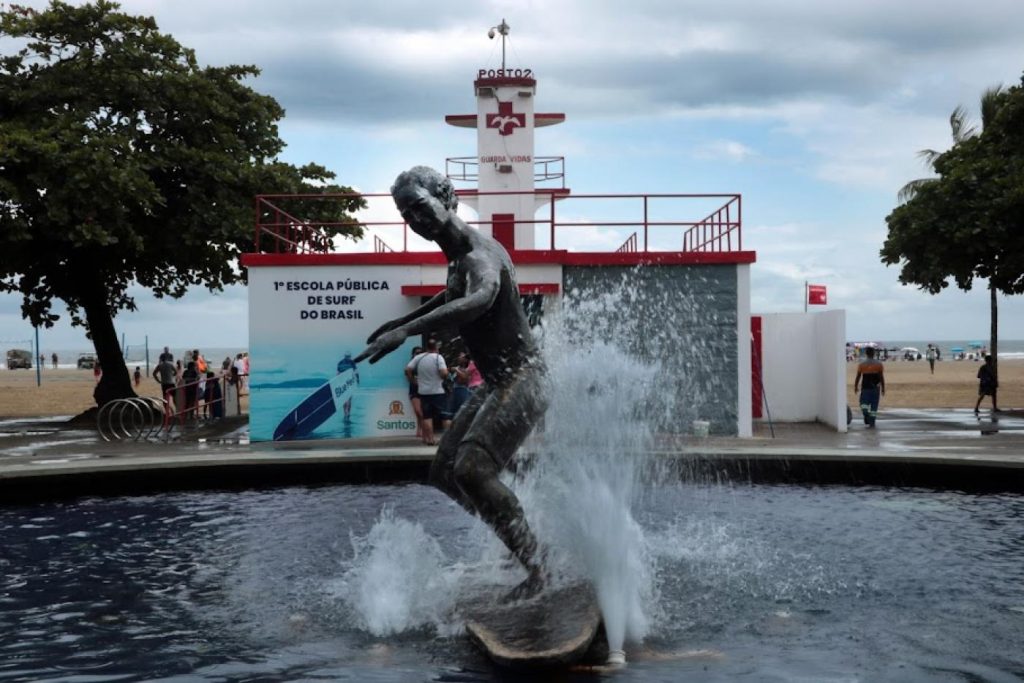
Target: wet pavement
34 451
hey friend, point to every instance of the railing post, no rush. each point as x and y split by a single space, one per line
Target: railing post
645 223
739 221
259 228
728 223
552 221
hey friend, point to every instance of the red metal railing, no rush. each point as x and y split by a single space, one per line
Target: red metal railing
629 246
710 233
380 246
628 222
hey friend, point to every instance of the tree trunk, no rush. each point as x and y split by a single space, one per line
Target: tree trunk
993 333
114 382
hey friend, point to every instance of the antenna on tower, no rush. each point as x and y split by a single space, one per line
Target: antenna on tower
501 28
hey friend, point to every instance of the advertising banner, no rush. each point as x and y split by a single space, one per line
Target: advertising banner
306 324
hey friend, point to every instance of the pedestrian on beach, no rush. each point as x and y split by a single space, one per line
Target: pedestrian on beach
190 383
54 359
138 375
167 374
932 354
987 384
871 380
240 371
213 400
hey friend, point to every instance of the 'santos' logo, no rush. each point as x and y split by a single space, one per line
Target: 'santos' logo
396 408
506 120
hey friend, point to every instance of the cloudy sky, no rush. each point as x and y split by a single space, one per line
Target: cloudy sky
813 111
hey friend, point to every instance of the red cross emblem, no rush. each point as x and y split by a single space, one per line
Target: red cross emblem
505 120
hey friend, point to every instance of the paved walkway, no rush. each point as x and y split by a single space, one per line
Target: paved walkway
34 452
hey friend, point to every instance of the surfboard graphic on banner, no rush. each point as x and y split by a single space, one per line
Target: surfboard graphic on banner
333 397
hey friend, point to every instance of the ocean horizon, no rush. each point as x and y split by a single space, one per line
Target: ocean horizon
136 355
1009 349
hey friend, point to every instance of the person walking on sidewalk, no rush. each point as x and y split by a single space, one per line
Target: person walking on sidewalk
987 384
871 380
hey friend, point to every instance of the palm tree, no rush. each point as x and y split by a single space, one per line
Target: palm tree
962 129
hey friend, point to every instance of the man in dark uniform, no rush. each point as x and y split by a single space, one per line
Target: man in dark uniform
482 301
872 373
988 383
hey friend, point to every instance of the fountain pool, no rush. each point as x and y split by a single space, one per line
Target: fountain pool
769 583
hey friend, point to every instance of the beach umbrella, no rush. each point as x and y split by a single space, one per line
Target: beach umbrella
912 349
957 349
976 345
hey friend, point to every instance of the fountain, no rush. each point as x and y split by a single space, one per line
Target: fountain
698 580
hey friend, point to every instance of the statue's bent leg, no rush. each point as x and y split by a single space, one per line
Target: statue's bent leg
501 423
478 476
442 469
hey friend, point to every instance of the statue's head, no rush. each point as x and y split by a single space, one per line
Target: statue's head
425 199
438 185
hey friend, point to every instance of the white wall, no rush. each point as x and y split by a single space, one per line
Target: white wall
803 367
830 333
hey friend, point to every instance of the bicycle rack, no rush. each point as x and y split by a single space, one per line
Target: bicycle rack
140 417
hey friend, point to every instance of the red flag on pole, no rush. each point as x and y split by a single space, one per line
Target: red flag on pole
816 295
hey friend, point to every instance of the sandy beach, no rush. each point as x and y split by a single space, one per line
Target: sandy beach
62 392
909 385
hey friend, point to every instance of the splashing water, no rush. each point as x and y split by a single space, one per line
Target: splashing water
580 492
398 579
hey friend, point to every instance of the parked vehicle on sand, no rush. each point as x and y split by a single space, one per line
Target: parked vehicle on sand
86 361
19 358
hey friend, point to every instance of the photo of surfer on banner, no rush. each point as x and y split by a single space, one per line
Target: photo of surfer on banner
332 397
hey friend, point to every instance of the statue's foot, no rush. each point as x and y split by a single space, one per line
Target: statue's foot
529 588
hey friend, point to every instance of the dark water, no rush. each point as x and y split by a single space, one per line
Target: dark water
763 583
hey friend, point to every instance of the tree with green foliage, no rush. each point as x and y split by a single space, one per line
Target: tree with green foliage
123 162
966 223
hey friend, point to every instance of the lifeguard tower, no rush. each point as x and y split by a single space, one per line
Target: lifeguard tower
505 168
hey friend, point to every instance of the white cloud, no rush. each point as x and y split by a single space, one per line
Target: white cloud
727 150
826 103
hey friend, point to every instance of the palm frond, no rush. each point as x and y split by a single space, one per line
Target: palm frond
990 104
960 123
929 157
910 190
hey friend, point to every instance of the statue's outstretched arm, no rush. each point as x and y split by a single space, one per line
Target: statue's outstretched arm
481 286
434 302
480 294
